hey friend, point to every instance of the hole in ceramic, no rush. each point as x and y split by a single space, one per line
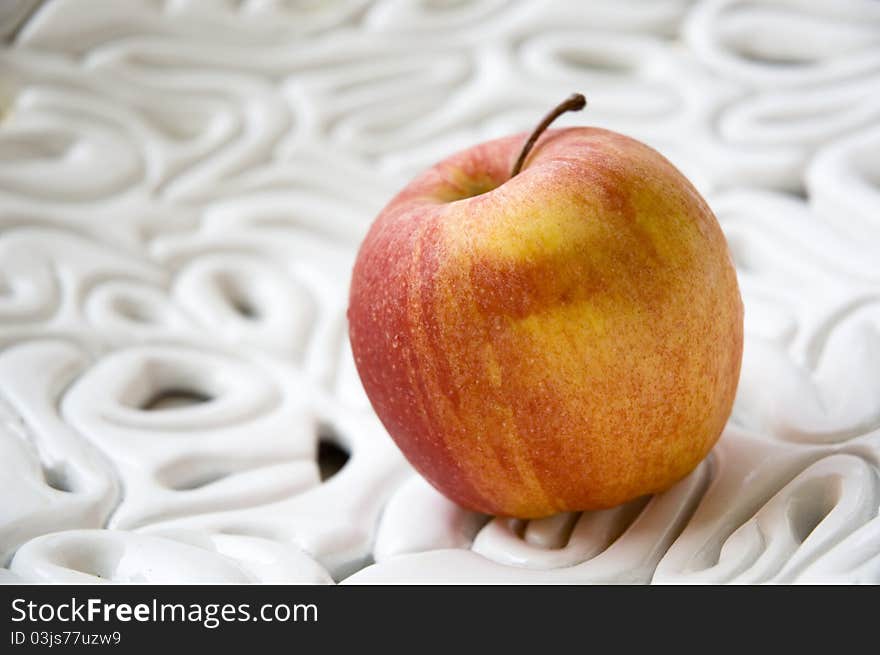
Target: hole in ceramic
238 294
776 59
244 308
741 39
593 60
248 530
193 473
174 399
41 145
551 533
810 504
446 5
200 480
182 390
57 478
332 457
133 310
518 527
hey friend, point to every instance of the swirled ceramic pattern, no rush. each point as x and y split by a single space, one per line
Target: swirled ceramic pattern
183 186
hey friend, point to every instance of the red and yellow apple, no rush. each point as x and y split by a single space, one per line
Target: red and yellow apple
568 338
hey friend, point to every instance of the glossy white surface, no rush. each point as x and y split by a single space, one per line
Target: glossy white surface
183 186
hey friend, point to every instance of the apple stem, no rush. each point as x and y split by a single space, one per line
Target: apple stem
575 102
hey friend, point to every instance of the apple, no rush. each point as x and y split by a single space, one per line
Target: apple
549 327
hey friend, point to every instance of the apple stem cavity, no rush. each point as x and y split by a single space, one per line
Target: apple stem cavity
575 102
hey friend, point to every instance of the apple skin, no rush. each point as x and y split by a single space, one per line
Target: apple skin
566 339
